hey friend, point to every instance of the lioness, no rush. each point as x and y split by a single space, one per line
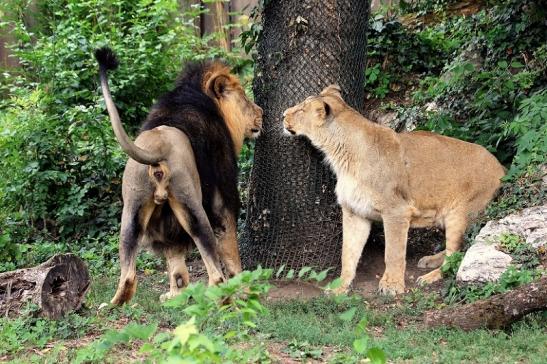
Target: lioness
180 183
415 179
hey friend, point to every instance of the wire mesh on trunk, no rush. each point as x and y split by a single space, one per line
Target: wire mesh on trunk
292 216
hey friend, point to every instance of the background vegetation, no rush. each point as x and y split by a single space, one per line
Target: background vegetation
481 77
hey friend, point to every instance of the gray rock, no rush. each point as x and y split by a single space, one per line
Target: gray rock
482 263
530 224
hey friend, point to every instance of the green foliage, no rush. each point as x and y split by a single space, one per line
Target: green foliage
493 93
524 255
510 279
394 52
27 330
231 308
60 165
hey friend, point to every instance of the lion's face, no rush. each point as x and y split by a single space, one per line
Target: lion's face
244 111
242 116
312 114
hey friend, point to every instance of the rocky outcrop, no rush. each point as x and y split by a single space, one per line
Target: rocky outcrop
483 262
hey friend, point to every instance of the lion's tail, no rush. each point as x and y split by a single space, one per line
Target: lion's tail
107 61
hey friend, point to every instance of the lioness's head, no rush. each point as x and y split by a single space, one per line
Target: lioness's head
242 116
313 113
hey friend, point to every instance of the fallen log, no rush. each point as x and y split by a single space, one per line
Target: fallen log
495 312
57 287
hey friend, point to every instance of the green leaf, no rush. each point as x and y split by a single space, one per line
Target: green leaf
322 275
348 315
303 271
376 356
290 274
279 271
360 345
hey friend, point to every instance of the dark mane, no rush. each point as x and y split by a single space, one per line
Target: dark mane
189 109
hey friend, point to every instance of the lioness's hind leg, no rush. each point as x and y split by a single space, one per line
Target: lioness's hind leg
355 234
456 224
128 248
228 248
432 261
193 219
177 271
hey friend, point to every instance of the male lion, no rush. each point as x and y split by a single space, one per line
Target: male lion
180 183
415 179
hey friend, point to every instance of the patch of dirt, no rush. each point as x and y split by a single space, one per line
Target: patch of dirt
371 267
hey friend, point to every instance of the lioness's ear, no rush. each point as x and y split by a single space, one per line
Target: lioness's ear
333 90
217 85
323 111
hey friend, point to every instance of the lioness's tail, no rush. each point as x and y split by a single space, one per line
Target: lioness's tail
107 61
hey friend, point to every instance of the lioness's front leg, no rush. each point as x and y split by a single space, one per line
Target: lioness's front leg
396 234
355 234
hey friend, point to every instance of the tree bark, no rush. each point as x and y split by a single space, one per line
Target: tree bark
495 312
292 216
57 286
215 21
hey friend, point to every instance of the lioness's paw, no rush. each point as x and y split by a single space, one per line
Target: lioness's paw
338 291
430 277
391 287
431 261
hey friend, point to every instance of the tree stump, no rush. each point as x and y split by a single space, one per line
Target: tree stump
495 312
57 286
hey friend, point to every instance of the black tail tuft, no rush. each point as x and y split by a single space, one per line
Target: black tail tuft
106 58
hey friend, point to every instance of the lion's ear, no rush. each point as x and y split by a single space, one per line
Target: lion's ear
217 85
333 90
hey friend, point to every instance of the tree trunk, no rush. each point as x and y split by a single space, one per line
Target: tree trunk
495 312
215 21
292 216
57 286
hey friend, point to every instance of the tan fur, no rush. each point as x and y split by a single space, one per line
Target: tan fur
415 179
163 170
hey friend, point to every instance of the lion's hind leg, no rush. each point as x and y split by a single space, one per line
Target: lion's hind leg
128 249
191 215
456 223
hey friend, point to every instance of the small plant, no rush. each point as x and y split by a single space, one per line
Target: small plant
303 350
231 308
524 255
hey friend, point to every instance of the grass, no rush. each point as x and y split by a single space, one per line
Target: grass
302 328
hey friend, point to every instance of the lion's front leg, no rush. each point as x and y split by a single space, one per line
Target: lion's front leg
355 234
179 277
396 233
228 248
